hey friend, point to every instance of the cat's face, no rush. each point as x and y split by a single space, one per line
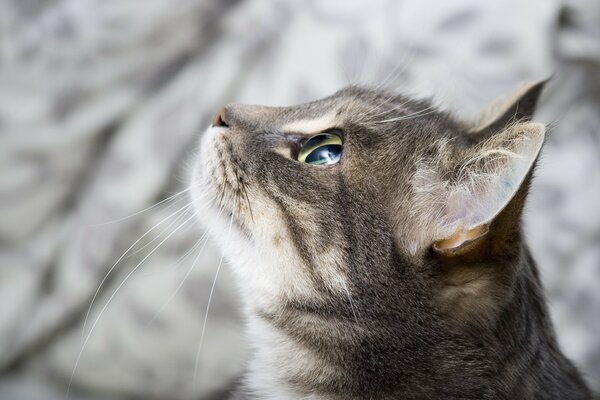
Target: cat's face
296 218
347 196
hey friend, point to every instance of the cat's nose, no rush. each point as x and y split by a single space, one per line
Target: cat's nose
219 120
244 116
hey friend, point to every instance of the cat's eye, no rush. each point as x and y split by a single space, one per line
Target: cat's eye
321 149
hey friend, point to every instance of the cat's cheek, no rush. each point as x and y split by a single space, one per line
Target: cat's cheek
266 274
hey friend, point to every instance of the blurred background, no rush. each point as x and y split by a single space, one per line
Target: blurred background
101 106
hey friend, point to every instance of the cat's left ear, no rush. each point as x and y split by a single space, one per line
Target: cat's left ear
488 175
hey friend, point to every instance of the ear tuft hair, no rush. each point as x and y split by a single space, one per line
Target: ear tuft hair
491 173
472 186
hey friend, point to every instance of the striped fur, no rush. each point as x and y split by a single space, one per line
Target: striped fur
345 294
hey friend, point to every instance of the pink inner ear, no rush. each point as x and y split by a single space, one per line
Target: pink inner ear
461 237
451 213
490 178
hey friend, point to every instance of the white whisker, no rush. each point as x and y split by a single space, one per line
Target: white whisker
204 237
417 114
87 314
87 338
160 234
395 72
389 77
212 289
370 114
170 198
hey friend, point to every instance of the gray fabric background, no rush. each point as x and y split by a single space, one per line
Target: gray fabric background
101 105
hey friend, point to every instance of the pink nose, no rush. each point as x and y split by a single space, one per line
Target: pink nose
219 119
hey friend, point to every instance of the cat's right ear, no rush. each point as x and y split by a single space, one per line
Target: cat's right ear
475 195
505 146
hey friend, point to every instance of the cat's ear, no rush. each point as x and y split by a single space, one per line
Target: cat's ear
469 196
488 174
484 181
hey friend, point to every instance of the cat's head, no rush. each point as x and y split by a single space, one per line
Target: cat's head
371 198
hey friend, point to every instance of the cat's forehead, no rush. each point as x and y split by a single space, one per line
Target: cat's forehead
356 103
360 109
351 99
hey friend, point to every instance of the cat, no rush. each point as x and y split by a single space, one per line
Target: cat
377 245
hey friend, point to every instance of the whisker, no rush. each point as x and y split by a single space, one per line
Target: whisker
87 314
204 237
395 72
212 289
87 338
368 113
391 76
417 114
170 198
395 108
160 234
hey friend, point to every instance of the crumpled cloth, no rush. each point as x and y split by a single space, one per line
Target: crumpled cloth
101 107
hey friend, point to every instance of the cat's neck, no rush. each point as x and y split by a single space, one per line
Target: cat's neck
529 361
517 358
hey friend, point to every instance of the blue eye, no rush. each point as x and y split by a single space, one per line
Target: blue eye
322 149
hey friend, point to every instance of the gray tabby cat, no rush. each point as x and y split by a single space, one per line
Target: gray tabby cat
378 248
